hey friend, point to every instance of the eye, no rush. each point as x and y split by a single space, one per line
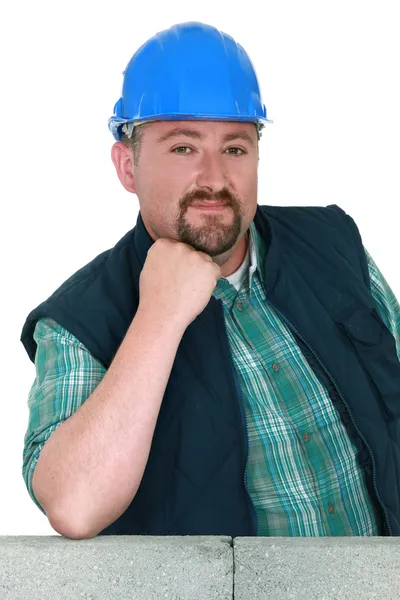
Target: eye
181 148
236 153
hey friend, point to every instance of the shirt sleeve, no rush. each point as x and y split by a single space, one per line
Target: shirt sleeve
387 304
66 375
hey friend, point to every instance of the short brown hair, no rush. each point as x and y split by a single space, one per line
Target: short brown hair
134 143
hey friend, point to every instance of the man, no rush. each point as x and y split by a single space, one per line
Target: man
227 368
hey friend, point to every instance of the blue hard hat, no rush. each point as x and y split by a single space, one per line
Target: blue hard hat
190 71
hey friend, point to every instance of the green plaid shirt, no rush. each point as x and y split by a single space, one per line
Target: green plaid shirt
302 473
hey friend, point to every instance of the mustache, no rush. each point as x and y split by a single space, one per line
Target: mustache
223 196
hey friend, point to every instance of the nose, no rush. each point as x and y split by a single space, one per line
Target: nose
212 174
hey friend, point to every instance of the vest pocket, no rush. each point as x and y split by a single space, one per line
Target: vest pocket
376 349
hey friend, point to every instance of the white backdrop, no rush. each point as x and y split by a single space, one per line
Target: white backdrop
329 74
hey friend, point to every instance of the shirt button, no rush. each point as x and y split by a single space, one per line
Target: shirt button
239 306
331 508
306 437
276 367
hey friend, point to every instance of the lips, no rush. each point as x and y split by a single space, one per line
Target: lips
209 204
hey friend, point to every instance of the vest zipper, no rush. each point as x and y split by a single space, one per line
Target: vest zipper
291 326
246 440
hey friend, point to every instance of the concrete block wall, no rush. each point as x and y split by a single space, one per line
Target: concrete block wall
199 568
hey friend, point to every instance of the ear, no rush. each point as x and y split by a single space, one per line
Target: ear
122 158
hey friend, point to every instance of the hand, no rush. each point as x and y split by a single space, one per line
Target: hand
177 280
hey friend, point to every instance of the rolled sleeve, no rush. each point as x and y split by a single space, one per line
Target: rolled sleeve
66 375
386 301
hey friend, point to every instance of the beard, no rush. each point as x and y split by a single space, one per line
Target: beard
214 234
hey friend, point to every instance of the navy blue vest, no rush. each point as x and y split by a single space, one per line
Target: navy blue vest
316 276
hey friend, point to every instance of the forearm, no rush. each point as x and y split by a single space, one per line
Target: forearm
90 468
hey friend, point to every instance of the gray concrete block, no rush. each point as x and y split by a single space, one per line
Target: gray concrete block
116 568
351 568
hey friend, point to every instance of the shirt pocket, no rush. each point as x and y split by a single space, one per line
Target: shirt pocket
375 347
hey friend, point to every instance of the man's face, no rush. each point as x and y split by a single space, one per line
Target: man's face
182 162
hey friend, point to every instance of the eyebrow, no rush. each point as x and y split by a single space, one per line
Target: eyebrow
193 133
